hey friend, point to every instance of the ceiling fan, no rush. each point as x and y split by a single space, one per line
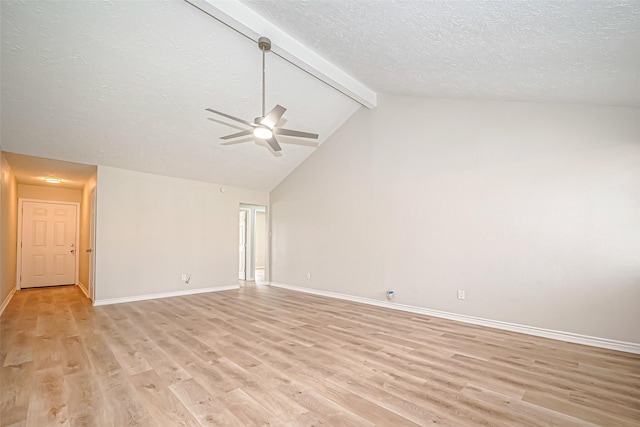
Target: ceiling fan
265 127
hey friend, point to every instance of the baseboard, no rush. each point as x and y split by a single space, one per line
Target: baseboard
83 289
108 301
7 300
513 327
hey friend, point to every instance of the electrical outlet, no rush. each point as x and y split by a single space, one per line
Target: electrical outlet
461 294
390 294
308 275
184 277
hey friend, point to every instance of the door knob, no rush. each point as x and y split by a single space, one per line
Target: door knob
73 251
88 250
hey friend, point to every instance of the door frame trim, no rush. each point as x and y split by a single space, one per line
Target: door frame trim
250 252
93 209
21 201
247 214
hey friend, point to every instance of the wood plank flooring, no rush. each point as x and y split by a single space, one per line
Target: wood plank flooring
267 356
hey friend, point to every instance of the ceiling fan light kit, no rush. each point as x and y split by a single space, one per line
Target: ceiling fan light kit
265 127
262 132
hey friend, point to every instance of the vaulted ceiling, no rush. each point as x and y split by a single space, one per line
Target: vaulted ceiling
126 83
583 51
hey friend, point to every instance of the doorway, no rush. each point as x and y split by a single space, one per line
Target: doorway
47 243
242 252
252 243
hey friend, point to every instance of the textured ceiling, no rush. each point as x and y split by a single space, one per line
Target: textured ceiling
33 170
585 51
126 84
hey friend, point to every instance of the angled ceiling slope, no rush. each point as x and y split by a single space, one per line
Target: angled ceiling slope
126 84
31 170
584 51
249 23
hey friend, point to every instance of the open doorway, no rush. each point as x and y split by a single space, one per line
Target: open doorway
252 243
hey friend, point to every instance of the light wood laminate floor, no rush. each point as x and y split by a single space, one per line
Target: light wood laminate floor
267 356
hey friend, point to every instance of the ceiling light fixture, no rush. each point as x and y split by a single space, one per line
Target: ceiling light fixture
262 132
53 180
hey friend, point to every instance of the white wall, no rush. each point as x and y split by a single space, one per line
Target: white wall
49 192
8 228
152 228
532 209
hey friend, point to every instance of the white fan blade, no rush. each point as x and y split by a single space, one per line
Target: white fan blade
297 133
272 117
235 135
273 142
231 117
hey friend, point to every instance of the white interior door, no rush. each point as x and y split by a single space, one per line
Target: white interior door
243 246
48 252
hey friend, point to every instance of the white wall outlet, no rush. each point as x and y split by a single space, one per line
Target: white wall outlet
184 277
461 294
308 275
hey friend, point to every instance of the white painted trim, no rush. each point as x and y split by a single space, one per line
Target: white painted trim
83 289
249 23
7 300
93 218
249 218
163 295
628 347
